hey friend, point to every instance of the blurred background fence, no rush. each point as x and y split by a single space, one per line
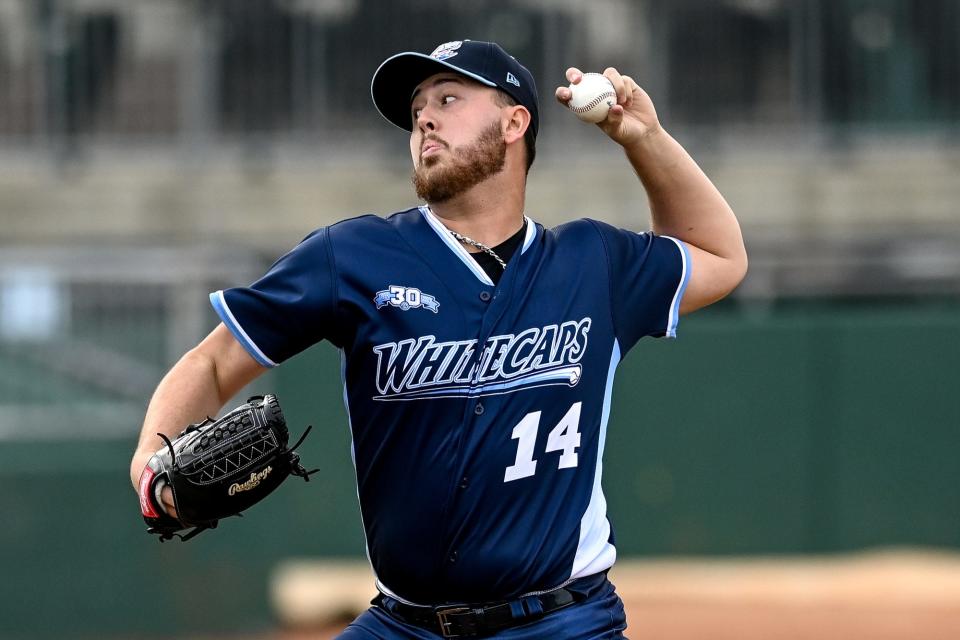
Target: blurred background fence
198 72
152 151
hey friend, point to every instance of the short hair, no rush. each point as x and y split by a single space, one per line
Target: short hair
504 99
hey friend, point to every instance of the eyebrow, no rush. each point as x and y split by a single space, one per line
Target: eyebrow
435 83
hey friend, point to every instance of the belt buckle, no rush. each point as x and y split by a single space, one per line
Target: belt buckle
445 624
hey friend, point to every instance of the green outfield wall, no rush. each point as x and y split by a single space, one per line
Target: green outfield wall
792 428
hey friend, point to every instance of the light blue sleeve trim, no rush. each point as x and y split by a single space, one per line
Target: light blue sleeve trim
220 306
674 317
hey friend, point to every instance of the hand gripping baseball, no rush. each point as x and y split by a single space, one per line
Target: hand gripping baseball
631 119
218 468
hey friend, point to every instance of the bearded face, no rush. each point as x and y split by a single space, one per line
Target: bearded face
440 177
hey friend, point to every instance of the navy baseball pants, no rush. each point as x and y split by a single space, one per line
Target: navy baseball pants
599 616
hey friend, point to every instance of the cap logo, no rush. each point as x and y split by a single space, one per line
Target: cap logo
446 50
512 79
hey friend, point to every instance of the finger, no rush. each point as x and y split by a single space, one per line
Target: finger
630 86
564 95
574 75
614 116
166 496
617 81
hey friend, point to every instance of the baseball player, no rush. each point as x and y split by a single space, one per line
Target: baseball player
478 350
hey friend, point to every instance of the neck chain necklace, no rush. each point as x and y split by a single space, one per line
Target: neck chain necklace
478 245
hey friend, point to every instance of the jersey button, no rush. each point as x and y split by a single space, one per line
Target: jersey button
463 482
485 296
478 409
453 557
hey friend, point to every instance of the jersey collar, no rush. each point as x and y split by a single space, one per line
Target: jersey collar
460 251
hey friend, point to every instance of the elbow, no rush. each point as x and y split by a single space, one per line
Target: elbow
199 359
735 275
739 269
732 274
737 265
205 361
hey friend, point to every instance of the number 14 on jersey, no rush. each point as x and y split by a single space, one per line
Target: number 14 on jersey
564 437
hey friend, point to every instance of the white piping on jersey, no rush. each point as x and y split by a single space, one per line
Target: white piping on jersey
531 234
594 551
455 246
220 306
674 316
464 255
382 588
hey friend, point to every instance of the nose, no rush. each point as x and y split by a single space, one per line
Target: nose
426 121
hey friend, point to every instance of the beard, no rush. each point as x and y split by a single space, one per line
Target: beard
469 165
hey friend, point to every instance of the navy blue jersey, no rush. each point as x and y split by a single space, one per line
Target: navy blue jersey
478 412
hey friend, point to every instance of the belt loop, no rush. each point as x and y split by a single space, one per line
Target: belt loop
385 602
517 610
532 605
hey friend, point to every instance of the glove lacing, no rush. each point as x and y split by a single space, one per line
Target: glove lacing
297 469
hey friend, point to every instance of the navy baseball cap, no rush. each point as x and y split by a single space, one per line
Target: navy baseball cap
486 62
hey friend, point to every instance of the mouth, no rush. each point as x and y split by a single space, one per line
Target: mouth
431 147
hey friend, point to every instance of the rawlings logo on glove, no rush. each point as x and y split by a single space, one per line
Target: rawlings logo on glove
254 480
218 468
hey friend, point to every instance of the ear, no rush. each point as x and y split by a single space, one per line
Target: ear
514 123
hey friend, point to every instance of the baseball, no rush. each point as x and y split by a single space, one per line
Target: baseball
592 97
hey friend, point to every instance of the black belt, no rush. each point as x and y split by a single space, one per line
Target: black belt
471 621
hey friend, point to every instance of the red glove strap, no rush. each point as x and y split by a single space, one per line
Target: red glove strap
147 507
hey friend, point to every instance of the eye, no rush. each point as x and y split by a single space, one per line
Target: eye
444 100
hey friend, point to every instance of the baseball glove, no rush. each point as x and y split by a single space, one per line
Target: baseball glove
218 468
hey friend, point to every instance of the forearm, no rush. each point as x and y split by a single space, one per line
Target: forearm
196 387
188 393
684 203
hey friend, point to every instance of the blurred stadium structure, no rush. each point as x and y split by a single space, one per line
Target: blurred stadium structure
154 150
218 132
